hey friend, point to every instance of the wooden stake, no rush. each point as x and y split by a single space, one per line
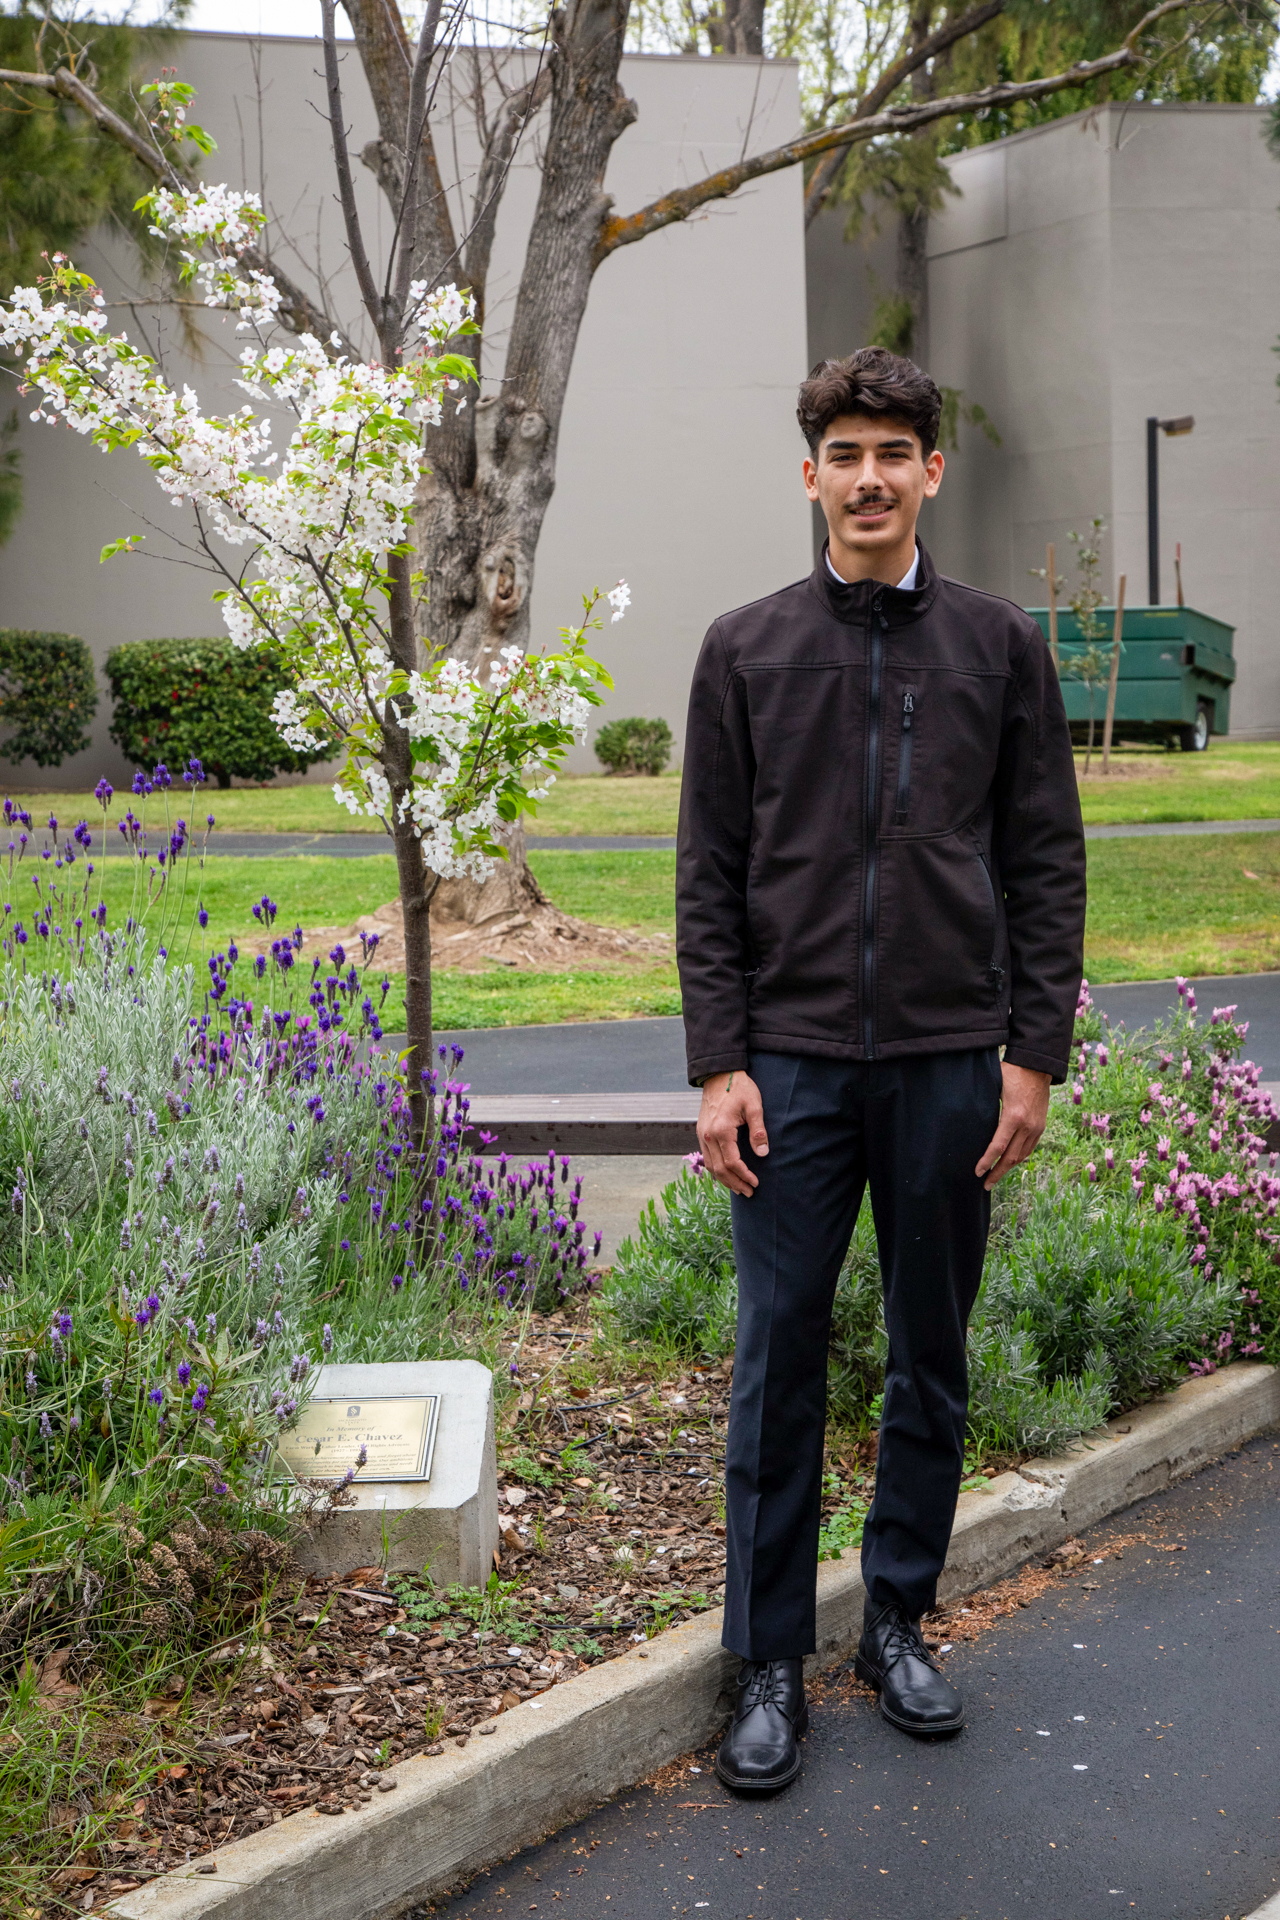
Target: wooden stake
1051 581
1109 722
1177 571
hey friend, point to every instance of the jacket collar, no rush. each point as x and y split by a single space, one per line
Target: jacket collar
853 603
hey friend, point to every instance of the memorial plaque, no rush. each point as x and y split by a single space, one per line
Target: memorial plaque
398 1435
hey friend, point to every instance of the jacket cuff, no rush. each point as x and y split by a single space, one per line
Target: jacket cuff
708 1063
1052 1064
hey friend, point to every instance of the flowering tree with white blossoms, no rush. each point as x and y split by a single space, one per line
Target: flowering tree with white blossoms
314 542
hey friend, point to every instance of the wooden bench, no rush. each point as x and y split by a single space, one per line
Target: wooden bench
587 1122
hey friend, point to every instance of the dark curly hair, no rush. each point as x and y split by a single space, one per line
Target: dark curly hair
871 381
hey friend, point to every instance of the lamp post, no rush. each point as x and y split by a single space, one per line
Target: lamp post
1183 424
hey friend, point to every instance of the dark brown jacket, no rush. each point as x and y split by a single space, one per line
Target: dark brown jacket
880 847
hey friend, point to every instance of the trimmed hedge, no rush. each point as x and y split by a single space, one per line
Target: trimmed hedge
634 746
178 700
47 695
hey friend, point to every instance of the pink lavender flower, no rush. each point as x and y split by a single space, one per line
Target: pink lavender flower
1092 1172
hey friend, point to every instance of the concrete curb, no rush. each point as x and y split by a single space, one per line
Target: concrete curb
550 1761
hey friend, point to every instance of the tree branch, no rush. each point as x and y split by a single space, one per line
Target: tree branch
827 171
297 311
342 166
623 231
407 221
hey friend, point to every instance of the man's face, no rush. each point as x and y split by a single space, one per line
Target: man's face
870 478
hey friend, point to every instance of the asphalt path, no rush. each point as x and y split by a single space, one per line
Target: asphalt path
647 1056
353 845
1120 1758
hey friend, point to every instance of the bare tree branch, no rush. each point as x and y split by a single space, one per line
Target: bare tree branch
374 305
623 231
827 171
388 62
514 116
297 311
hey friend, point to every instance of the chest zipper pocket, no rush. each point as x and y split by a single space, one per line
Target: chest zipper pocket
905 739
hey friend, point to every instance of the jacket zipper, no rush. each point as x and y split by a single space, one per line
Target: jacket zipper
904 756
995 970
878 624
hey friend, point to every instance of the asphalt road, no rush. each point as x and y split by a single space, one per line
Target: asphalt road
647 1056
352 845
1120 1758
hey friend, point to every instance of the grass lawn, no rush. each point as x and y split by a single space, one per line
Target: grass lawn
1226 783
577 804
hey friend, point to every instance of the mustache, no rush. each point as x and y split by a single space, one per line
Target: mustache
874 500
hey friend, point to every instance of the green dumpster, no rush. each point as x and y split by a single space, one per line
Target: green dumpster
1176 670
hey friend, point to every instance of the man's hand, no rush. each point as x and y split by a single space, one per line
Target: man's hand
730 1101
1024 1108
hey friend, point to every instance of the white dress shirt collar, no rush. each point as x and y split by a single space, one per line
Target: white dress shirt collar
905 585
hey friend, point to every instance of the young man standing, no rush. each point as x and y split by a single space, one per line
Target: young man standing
880 884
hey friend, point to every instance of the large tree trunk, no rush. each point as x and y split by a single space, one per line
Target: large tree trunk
912 277
913 222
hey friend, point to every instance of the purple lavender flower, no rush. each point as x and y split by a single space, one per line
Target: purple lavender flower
102 793
326 1343
45 1428
156 1396
184 1373
200 1398
202 915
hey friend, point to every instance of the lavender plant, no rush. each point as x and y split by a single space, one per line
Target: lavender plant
213 1184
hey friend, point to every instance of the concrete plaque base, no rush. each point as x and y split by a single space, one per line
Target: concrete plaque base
450 1522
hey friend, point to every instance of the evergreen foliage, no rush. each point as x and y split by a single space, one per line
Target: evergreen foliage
634 746
48 695
178 700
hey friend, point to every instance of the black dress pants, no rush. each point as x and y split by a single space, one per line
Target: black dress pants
913 1130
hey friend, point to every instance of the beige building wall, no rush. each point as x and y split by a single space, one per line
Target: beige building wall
679 456
1109 266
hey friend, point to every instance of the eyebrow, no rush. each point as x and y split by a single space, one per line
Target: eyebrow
842 446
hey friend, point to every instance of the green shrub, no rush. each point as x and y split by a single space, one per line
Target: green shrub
634 746
47 695
1102 1283
675 1282
1011 1406
207 700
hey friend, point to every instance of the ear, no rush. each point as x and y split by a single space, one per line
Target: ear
810 478
933 470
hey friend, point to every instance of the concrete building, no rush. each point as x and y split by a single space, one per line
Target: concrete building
1118 264
678 461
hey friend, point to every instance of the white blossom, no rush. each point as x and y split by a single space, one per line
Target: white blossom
318 517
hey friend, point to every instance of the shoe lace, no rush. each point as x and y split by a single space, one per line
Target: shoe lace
764 1682
903 1637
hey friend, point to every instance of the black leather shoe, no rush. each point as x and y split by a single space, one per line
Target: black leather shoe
893 1659
759 1753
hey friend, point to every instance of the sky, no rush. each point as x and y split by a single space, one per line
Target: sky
262 16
